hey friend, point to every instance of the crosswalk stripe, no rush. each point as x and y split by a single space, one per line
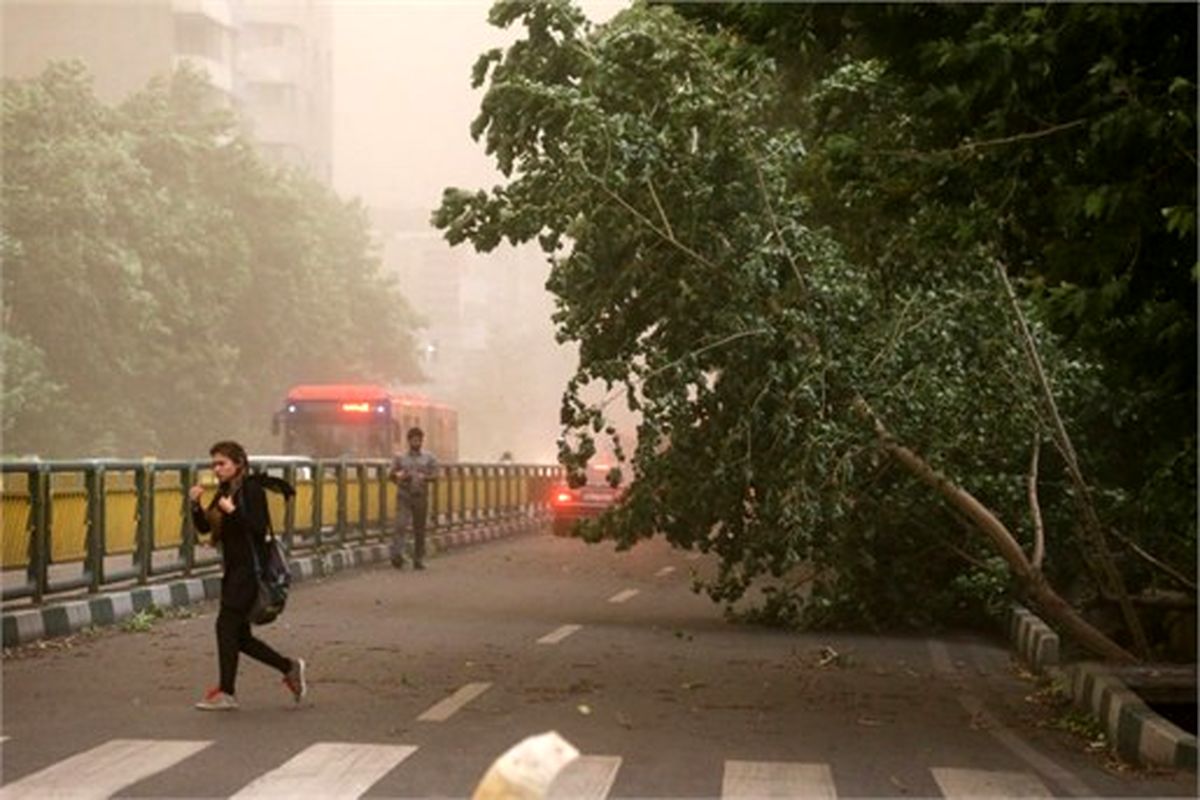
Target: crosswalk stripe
621 597
103 771
961 784
747 779
585 778
441 711
557 635
1066 779
329 770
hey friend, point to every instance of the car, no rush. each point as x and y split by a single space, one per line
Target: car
601 491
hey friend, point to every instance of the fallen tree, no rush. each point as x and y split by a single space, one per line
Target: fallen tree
648 161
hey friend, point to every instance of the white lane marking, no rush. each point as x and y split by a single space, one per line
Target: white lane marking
103 771
440 712
1047 767
585 778
329 770
964 784
777 779
557 635
664 572
693 556
940 657
621 597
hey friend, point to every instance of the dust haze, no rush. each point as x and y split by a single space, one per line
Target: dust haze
380 113
403 107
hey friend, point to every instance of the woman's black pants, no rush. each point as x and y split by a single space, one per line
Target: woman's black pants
233 637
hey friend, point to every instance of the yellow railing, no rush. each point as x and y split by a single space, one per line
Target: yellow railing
49 507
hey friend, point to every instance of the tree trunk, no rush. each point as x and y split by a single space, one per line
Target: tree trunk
1039 592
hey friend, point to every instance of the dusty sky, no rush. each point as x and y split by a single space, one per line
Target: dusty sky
403 101
403 106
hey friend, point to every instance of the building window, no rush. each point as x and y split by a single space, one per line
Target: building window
202 37
271 95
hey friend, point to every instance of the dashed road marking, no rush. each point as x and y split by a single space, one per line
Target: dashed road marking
777 779
664 572
585 778
442 711
621 597
103 771
557 635
329 770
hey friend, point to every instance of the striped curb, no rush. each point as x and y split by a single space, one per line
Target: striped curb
71 616
1140 735
1036 642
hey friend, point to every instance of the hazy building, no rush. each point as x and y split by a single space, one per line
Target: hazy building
488 343
124 44
269 60
284 70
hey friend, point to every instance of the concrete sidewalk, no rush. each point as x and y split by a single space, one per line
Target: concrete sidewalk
67 616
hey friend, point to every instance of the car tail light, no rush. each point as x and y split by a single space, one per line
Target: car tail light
562 497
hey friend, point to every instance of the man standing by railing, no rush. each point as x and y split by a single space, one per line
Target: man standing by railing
412 472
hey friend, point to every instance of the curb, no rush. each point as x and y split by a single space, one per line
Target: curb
68 617
1036 642
1138 733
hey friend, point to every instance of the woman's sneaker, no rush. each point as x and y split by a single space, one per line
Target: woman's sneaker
216 700
294 680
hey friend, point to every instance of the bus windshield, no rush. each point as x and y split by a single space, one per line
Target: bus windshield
333 440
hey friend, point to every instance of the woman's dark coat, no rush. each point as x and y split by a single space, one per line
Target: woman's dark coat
235 532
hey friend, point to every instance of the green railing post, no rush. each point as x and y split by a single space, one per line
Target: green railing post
449 477
340 472
289 508
471 472
187 530
489 492
97 531
360 474
144 549
432 489
318 501
381 475
39 530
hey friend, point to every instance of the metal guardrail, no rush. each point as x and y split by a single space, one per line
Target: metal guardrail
71 525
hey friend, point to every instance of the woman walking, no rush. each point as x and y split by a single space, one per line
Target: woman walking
238 519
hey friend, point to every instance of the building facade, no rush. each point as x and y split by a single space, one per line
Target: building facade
269 60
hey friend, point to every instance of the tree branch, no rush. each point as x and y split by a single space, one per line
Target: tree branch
661 213
787 251
1179 576
1034 583
970 147
1035 509
1081 494
666 235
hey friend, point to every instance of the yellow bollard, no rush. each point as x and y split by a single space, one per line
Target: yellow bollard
526 770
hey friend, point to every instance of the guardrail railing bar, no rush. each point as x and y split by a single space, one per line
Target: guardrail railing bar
496 491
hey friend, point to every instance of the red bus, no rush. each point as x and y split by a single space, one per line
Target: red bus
362 421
